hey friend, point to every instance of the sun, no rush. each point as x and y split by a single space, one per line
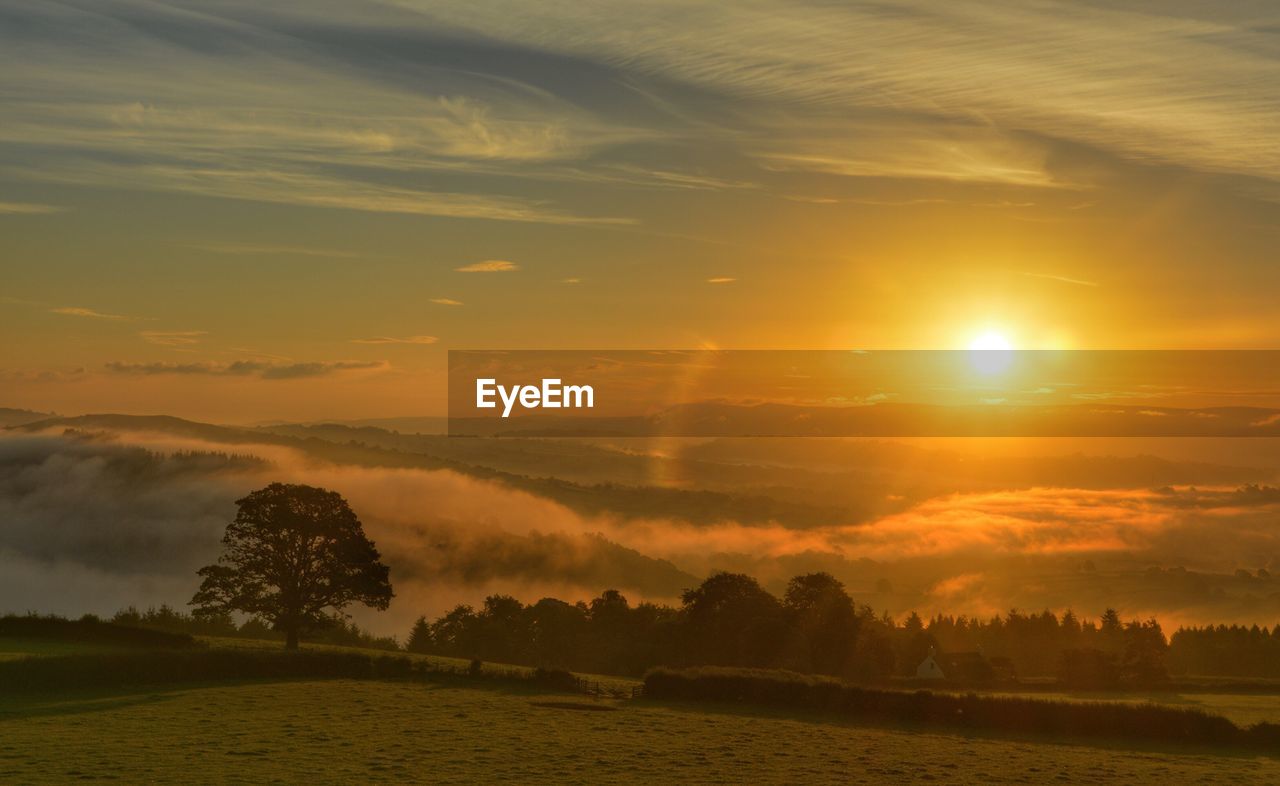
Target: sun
991 341
990 353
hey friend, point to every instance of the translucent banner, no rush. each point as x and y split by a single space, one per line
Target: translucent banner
835 393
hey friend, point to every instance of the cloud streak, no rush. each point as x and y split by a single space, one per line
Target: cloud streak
488 266
88 313
246 368
28 209
392 340
173 338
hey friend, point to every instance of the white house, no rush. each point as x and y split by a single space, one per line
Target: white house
929 669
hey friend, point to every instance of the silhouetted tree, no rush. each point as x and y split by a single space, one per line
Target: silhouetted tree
456 632
733 621
556 629
1143 662
294 555
1088 668
504 630
824 623
419 636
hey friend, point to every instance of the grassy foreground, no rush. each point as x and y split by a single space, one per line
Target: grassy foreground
348 731
72 711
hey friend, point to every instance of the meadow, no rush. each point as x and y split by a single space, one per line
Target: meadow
1242 709
468 729
337 731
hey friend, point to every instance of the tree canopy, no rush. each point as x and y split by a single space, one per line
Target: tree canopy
296 556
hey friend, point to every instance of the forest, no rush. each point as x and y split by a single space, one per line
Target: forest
814 628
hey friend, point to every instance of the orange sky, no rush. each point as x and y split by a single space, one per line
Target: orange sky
298 210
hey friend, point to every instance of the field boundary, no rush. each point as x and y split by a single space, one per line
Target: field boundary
1109 720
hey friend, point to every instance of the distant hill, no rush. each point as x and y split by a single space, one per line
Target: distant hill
799 483
371 447
405 425
17 417
890 420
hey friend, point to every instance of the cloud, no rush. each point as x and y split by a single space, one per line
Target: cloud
338 126
246 368
173 338
73 374
481 95
96 523
239 249
298 186
76 311
1063 279
391 340
913 150
721 280
28 209
488 266
1176 84
571 280
125 518
446 301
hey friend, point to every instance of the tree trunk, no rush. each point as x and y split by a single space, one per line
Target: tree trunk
291 639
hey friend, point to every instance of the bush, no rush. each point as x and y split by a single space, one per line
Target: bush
1112 720
558 679
158 667
111 670
91 630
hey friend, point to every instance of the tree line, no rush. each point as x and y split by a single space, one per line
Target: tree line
815 627
1229 651
296 556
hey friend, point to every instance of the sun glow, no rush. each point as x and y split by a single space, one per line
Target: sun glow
990 353
991 341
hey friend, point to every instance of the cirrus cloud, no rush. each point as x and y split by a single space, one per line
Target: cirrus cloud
394 340
488 266
247 368
77 311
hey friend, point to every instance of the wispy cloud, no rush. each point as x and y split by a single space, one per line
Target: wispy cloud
28 209
393 340
249 249
957 151
721 280
964 92
488 266
1063 279
321 133
1195 89
446 301
246 368
77 311
571 280
173 338
301 186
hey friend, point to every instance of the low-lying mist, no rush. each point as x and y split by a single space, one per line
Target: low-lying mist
94 522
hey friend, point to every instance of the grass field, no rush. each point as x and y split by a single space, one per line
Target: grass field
26 648
349 731
356 732
1243 709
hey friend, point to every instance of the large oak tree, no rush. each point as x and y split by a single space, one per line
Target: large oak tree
295 555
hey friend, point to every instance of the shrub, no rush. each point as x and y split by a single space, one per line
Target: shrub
91 630
110 670
558 679
1112 720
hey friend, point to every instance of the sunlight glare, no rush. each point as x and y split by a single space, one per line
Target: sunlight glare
990 353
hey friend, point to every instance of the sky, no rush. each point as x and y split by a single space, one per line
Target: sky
247 212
